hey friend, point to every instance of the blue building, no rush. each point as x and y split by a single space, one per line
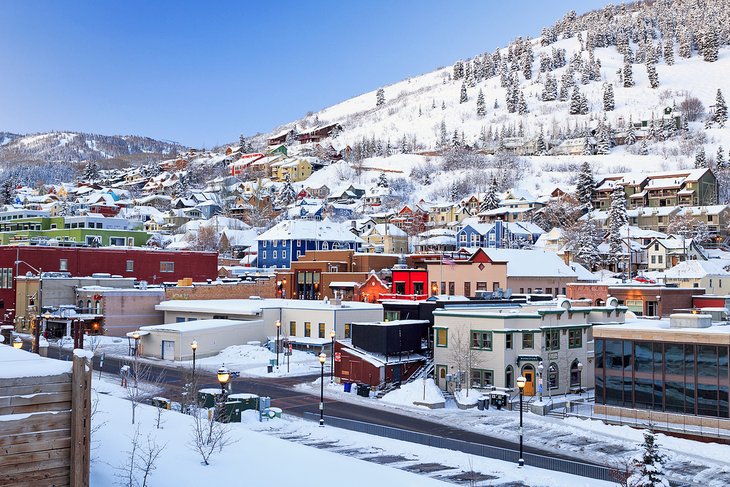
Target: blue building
290 239
498 235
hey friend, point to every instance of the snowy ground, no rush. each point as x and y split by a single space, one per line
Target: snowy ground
291 451
705 463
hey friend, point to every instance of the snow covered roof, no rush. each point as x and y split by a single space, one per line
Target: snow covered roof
196 325
325 230
702 210
253 307
531 263
583 274
380 229
697 269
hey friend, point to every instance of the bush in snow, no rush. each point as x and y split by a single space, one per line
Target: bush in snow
650 465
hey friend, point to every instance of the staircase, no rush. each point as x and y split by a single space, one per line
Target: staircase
427 369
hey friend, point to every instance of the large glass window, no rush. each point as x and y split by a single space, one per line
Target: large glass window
552 339
481 340
442 337
553 376
575 338
528 340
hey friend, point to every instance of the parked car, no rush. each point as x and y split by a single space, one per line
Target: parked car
644 280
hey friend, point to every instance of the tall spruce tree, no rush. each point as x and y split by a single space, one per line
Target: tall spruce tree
608 99
463 98
383 181
491 200
628 73
7 192
700 159
575 106
540 146
720 161
380 97
720 116
669 51
649 465
630 133
586 246
481 105
644 148
585 186
652 74
521 104
710 46
617 218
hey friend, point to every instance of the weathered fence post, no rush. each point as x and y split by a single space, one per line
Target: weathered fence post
80 419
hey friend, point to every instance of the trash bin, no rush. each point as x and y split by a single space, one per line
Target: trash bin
232 412
276 411
480 403
348 386
269 368
207 398
161 402
363 390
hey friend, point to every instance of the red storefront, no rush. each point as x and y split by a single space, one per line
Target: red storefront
151 265
408 284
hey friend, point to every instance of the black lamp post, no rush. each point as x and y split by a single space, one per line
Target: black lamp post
194 347
521 384
580 378
540 368
332 360
322 359
223 377
278 330
135 335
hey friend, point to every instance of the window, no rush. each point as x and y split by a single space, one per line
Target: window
263 254
434 287
552 339
274 254
63 265
482 378
467 289
167 267
325 246
283 254
528 340
442 337
553 376
575 338
220 317
321 330
495 286
179 319
130 266
130 240
452 288
443 287
392 315
292 328
307 329
508 341
653 259
348 330
117 241
400 287
481 286
481 340
98 307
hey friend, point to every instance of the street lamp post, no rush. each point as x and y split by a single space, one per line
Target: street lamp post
322 359
580 378
194 347
18 343
332 362
278 330
223 377
521 384
540 368
135 335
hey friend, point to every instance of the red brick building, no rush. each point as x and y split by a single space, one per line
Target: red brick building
642 300
151 265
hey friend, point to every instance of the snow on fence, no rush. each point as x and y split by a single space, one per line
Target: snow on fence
45 421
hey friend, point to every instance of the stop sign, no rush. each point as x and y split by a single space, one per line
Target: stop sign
338 356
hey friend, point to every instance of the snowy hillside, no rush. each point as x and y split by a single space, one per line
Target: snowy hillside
432 113
75 147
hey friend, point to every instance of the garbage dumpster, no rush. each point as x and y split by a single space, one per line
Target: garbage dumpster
247 401
232 412
363 390
207 398
348 386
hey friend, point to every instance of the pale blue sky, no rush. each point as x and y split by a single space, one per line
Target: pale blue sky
201 73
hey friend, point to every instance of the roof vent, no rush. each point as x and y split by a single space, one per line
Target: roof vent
690 320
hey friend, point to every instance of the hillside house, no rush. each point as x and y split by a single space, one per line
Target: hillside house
385 239
665 253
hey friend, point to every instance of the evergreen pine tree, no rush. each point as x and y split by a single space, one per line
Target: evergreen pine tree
522 104
380 97
443 135
649 465
91 171
628 73
583 104
710 46
669 51
7 192
575 102
630 133
383 181
241 141
458 70
720 116
540 146
685 45
496 104
603 146
586 247
720 162
643 148
587 149
653 76
463 98
455 140
617 218
550 90
700 160
608 99
443 105
491 200
585 186
481 105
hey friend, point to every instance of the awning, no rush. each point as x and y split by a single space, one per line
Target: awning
343 284
528 358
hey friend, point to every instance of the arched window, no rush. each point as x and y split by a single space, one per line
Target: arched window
575 373
98 307
325 246
553 376
88 306
509 375
336 246
81 304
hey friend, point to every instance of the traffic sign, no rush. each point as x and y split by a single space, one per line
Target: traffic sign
338 356
291 348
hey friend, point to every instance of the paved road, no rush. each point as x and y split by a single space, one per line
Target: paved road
285 396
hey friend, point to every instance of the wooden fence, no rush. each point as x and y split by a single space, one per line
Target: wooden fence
45 428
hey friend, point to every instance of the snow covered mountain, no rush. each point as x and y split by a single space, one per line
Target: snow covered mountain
655 58
75 146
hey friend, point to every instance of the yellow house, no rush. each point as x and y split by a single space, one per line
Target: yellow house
297 169
392 241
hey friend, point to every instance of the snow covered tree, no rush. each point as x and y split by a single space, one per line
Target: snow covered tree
669 51
540 146
586 244
583 104
608 99
720 162
685 45
463 98
521 104
443 105
443 135
687 226
653 75
585 186
91 171
490 201
382 181
7 192
380 97
617 218
241 141
649 465
481 105
604 144
550 90
628 73
458 70
630 133
710 46
287 193
720 116
575 108
587 148
700 159
643 148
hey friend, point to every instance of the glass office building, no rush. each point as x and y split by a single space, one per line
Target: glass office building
673 377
